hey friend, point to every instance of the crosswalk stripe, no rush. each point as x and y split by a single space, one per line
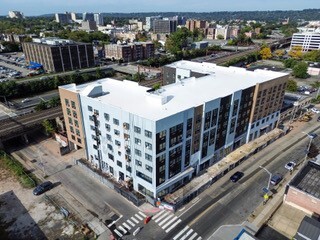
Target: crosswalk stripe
122 229
164 215
135 220
118 233
186 235
199 238
193 236
157 215
131 223
164 220
181 232
172 226
126 226
137 216
168 223
142 214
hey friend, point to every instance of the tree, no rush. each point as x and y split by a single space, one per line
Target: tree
312 56
49 126
279 53
290 63
41 106
178 40
137 77
220 37
99 73
296 52
265 53
317 86
292 86
300 70
156 86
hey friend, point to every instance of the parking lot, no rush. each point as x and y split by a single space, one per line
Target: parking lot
12 66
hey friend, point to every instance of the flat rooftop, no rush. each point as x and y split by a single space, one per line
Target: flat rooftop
53 41
308 179
170 99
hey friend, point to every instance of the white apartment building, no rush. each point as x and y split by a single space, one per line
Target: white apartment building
149 22
98 18
307 40
160 139
15 14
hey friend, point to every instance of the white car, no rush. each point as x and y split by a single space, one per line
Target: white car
315 110
290 165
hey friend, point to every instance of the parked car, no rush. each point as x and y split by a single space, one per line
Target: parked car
236 176
318 119
25 100
43 187
290 165
276 178
315 110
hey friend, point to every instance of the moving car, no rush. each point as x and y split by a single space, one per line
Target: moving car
290 165
276 178
236 176
43 187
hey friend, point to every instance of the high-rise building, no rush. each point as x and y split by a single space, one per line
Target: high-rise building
63 18
149 22
15 14
88 25
98 18
59 55
164 26
130 52
160 139
88 16
196 24
308 41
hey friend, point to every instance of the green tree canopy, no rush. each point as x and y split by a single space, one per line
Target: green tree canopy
300 70
178 40
292 86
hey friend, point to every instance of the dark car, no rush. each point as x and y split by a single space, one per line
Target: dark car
43 187
276 178
236 176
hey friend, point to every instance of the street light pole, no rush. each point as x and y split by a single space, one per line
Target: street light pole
270 176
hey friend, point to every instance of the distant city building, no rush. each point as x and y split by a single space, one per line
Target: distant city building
59 55
63 18
210 33
196 24
149 22
164 26
303 191
136 25
88 26
15 14
73 16
98 18
308 41
160 139
180 20
130 52
223 32
88 16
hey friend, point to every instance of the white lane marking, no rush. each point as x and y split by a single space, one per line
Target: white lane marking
168 223
135 220
131 223
172 226
165 220
115 221
181 232
137 216
118 233
199 238
193 236
142 214
166 213
122 229
157 215
186 235
126 226
195 202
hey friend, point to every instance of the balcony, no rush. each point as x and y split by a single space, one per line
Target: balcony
128 158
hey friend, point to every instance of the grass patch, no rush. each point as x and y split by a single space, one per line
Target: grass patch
17 169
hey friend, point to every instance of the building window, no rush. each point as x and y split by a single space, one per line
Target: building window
117 132
137 141
116 121
148 145
73 104
148 168
126 126
117 143
68 111
74 113
77 132
148 133
89 108
76 123
109 146
110 156
70 120
106 116
73 137
119 163
107 127
79 140
137 129
67 102
144 177
109 137
137 152
111 169
128 168
148 157
71 129
138 163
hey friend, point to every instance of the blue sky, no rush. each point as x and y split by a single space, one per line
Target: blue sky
38 7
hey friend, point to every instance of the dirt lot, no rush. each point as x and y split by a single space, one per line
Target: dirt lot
25 216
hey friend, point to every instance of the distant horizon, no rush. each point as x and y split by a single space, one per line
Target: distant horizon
77 12
37 7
